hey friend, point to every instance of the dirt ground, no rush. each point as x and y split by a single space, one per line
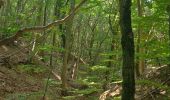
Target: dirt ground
17 85
12 81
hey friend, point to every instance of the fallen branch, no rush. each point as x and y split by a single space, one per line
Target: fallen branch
153 91
19 33
113 92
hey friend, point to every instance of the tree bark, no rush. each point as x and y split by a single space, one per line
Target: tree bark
67 47
168 10
127 42
1 3
140 63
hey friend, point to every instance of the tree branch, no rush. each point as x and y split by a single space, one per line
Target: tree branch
41 28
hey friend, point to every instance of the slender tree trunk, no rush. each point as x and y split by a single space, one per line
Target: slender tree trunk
39 21
112 47
19 9
59 14
140 63
6 12
169 23
127 42
44 24
168 10
138 41
67 47
91 43
1 3
78 50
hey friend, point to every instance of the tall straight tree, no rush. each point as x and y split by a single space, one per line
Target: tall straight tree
140 63
127 42
67 47
168 11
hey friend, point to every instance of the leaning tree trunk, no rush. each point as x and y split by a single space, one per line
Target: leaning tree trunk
127 42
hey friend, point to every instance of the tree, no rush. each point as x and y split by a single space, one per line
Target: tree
139 49
168 10
1 3
67 47
127 42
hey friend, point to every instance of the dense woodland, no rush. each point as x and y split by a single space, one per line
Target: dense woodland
84 49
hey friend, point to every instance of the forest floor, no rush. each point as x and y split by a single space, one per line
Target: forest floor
18 85
21 82
13 83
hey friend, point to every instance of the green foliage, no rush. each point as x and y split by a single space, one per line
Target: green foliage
52 82
31 68
87 91
99 69
92 37
151 83
25 96
50 47
69 98
8 31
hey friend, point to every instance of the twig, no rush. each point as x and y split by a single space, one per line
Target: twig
152 95
154 90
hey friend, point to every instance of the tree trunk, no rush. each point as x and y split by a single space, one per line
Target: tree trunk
38 22
42 54
127 42
19 10
140 63
1 3
67 47
168 10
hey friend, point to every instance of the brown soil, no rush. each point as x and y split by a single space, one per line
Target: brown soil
12 81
